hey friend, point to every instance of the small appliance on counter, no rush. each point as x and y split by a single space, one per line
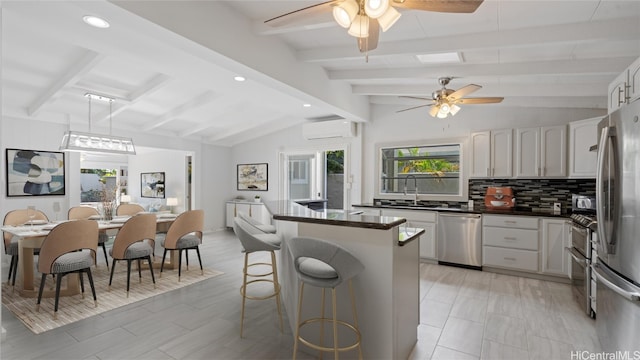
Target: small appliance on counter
499 198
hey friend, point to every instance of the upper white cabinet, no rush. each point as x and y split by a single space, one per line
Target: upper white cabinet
582 135
541 152
625 88
492 154
618 91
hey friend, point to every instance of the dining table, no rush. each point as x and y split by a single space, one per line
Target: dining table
31 235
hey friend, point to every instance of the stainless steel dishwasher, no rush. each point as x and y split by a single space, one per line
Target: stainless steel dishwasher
460 239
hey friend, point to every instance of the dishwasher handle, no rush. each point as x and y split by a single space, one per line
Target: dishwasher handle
464 216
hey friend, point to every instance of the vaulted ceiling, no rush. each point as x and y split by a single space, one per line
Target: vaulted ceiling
170 64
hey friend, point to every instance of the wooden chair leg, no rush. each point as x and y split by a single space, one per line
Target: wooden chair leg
128 275
164 255
186 256
243 290
81 283
199 260
42 281
179 263
139 271
151 270
113 267
93 288
13 259
58 284
106 259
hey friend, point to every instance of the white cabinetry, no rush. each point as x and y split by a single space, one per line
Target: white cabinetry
582 135
510 242
541 152
255 210
634 81
491 153
618 91
555 238
420 219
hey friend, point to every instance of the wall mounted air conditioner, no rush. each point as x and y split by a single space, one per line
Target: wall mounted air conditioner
329 129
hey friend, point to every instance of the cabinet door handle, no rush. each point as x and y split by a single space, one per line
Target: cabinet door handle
510 238
510 258
510 222
488 172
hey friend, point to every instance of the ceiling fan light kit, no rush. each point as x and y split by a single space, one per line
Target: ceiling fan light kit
376 8
443 101
345 12
388 18
360 27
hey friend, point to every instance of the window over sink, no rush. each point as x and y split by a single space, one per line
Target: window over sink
434 172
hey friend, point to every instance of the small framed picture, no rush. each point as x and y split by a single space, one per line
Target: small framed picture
152 185
253 177
34 173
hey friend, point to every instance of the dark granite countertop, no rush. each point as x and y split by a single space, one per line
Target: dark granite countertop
291 211
484 211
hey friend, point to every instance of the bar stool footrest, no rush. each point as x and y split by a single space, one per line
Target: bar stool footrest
330 322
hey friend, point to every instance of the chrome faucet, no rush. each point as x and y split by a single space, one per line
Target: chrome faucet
415 186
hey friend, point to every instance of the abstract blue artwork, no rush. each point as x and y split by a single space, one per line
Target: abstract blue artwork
35 172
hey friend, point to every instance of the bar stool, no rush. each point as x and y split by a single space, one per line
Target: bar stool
254 240
326 265
267 228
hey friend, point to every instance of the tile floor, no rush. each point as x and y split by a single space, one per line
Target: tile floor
465 314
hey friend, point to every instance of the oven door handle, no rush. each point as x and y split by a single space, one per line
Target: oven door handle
616 283
576 256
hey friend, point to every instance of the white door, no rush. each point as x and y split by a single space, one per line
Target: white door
553 151
480 154
528 152
501 153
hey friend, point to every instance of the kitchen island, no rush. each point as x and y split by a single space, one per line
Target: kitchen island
387 291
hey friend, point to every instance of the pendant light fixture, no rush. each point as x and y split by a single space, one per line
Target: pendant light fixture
99 143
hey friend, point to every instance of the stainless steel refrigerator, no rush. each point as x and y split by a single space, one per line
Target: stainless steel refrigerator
617 268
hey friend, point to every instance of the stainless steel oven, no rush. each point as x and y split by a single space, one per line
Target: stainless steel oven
582 235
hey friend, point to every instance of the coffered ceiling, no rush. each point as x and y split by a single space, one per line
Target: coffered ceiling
170 64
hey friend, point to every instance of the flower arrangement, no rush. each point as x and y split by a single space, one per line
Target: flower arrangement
108 201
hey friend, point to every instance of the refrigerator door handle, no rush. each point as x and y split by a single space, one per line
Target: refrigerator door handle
614 282
603 214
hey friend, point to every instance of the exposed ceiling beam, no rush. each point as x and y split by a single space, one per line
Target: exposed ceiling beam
559 67
517 38
261 28
84 64
198 101
494 89
148 88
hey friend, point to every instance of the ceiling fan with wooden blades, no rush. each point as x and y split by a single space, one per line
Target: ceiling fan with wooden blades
444 102
365 18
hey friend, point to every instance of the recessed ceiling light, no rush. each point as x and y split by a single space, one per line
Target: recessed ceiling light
96 21
306 105
239 78
450 57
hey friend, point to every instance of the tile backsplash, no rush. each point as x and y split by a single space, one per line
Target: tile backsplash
530 194
535 194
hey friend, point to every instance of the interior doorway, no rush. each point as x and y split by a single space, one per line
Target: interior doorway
314 178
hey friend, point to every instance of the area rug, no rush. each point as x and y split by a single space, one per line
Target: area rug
74 308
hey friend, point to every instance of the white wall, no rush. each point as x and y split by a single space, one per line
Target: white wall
267 149
211 176
388 126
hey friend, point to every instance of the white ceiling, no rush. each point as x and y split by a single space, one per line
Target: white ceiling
170 64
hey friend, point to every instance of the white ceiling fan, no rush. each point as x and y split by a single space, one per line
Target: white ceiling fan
365 18
444 101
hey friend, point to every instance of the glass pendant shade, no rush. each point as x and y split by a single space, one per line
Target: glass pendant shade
360 27
375 8
345 12
388 18
454 109
81 141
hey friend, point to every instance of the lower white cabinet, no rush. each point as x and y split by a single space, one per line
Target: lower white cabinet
256 210
555 238
426 220
526 243
510 242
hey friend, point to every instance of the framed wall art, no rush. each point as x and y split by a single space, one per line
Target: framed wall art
34 172
253 177
152 185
